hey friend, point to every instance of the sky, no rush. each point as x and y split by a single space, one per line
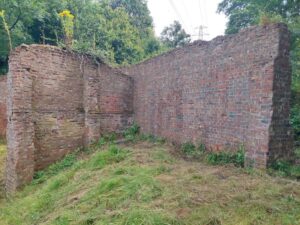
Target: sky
191 14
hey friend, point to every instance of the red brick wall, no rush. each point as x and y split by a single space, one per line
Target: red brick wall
3 95
231 91
58 101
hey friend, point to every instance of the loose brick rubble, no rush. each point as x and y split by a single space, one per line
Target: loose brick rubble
231 91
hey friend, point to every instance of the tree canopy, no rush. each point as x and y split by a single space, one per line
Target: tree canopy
175 36
120 31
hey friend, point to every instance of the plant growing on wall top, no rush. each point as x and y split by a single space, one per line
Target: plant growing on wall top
67 20
2 15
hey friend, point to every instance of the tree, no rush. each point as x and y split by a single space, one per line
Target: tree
243 13
119 31
139 16
175 36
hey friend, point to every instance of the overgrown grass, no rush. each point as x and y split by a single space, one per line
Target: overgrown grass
143 184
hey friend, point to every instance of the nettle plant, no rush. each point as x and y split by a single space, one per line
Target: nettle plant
2 15
67 20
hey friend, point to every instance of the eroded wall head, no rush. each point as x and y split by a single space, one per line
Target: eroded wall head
3 96
57 102
232 91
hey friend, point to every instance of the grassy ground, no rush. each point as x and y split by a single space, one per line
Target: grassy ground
145 184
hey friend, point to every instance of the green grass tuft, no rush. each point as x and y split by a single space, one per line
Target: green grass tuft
222 158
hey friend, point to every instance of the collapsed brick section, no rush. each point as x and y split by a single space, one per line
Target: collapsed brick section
231 91
57 102
3 96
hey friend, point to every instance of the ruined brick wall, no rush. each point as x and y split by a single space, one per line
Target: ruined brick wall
57 102
3 96
231 91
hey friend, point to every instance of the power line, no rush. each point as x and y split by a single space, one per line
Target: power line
205 12
200 11
186 12
177 12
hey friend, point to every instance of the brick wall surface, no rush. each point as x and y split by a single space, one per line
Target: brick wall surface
3 96
231 91
57 103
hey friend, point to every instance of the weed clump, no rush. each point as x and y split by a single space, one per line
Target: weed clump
222 158
132 134
285 169
191 150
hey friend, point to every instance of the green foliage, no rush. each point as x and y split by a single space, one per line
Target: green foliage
222 158
67 20
175 36
150 186
119 31
110 137
142 217
6 29
151 138
285 169
295 119
190 150
269 18
113 155
131 133
54 169
243 13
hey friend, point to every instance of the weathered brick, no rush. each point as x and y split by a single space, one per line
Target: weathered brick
230 91
57 102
